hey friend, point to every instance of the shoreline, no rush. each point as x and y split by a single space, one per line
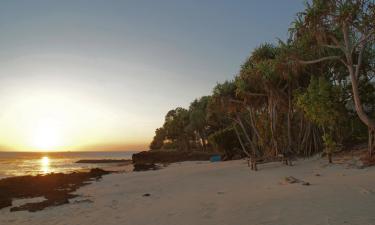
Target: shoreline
53 189
219 193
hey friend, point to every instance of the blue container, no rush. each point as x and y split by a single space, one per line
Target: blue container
215 158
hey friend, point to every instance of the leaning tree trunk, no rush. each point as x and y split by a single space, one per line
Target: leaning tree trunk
272 117
360 112
349 49
371 141
354 76
253 154
289 119
242 145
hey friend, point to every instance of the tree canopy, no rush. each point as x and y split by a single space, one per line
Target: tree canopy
297 96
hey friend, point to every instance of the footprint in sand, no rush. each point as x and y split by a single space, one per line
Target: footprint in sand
114 204
366 191
208 209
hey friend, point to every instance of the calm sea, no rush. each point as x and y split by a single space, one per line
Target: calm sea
33 163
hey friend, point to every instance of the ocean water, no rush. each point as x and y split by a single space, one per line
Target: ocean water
33 163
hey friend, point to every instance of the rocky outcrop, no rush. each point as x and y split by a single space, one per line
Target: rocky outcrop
169 156
56 188
104 161
148 160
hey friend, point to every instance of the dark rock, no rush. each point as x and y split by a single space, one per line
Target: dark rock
145 167
104 161
169 156
97 172
5 202
55 188
146 195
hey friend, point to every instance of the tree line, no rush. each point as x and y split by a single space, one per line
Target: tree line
313 92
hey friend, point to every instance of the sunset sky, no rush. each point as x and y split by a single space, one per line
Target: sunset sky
100 75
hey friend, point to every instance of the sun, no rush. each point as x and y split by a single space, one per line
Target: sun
46 137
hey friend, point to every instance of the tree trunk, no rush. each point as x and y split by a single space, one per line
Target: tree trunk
371 141
246 134
354 76
329 157
241 143
272 117
360 112
289 126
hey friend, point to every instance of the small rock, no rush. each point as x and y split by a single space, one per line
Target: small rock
305 183
318 175
146 195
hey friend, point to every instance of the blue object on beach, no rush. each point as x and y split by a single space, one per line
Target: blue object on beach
215 158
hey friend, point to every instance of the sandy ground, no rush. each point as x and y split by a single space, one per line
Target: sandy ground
194 193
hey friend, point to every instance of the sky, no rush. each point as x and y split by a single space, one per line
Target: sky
100 75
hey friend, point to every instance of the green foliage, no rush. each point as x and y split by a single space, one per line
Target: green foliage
225 141
278 103
319 103
158 141
329 144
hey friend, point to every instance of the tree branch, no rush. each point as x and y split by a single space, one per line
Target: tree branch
337 43
255 94
335 57
362 41
348 54
332 46
359 61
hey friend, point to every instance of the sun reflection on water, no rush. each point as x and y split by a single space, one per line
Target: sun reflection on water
45 165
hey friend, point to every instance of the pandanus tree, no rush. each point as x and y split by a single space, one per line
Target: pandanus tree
265 86
198 123
158 140
175 124
320 104
225 104
342 30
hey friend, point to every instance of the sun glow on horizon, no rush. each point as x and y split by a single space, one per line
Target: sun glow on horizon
46 136
62 120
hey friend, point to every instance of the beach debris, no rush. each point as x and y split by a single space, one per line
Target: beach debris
215 158
146 195
83 201
293 180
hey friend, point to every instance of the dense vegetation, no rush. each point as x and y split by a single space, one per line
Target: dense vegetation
313 92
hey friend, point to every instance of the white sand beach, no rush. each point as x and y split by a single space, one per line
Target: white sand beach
223 193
